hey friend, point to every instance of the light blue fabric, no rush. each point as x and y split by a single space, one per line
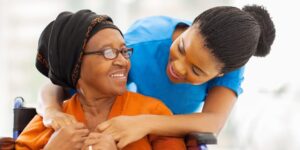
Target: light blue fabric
151 39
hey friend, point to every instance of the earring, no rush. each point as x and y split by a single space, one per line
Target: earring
81 91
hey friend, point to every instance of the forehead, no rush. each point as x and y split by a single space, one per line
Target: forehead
106 37
196 51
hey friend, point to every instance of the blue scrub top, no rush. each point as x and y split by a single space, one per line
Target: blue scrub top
151 39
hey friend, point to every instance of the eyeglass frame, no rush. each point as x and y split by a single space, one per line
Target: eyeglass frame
102 52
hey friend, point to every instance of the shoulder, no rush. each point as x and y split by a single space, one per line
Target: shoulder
35 135
142 99
232 80
152 28
70 103
147 104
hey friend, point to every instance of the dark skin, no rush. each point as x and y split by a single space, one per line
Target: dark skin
101 81
190 62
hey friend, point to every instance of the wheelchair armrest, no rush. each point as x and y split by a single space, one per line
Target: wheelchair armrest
200 138
22 117
7 143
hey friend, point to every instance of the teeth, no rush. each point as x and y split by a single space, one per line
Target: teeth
118 75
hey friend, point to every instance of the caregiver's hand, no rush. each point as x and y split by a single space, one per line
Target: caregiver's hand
68 137
56 119
125 129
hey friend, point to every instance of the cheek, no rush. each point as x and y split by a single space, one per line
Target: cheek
175 54
129 65
196 80
84 69
193 79
100 71
173 51
92 71
97 78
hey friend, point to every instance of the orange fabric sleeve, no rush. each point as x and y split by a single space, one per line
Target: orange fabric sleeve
36 135
163 142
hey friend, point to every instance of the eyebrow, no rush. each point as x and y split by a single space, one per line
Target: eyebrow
183 48
109 45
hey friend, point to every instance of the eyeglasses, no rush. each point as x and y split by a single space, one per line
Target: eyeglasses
112 53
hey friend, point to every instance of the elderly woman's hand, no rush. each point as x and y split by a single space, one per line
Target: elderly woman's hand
68 137
99 141
125 129
57 119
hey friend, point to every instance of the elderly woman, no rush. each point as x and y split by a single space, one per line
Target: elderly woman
87 52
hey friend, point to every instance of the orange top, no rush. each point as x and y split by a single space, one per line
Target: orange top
36 135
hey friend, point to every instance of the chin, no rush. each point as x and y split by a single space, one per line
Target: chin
120 91
172 80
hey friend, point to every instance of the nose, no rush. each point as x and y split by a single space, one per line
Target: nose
121 61
179 67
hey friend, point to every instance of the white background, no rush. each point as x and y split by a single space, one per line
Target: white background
266 116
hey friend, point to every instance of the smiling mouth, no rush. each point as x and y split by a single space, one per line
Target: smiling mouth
119 75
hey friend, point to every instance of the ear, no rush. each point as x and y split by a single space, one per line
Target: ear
82 91
79 86
79 83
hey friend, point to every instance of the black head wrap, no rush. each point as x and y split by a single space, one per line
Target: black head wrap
62 42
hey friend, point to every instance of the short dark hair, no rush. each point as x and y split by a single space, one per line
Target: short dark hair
234 35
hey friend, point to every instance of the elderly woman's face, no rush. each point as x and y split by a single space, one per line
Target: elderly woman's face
101 75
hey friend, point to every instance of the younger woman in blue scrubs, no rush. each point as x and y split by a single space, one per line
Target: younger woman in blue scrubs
183 64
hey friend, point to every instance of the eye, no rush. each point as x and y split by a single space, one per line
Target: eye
180 48
129 52
126 52
196 71
109 53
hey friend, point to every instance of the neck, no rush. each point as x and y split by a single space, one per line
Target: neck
96 109
96 105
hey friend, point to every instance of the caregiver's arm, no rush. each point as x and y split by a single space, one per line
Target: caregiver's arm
50 106
217 107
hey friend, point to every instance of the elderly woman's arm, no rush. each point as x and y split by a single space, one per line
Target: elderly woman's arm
50 106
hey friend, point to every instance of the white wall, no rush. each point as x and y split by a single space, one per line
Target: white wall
271 89
267 115
21 23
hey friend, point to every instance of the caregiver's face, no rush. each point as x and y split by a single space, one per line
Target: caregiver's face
190 61
105 76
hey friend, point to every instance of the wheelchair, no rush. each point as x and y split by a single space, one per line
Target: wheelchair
23 115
